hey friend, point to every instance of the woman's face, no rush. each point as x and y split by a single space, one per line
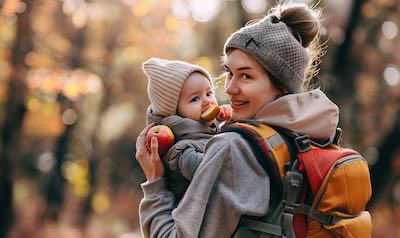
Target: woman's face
247 85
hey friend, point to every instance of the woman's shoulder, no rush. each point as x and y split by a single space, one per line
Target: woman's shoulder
233 149
229 141
229 136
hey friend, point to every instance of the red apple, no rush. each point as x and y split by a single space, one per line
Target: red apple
165 138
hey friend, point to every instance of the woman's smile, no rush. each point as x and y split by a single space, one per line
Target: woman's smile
238 104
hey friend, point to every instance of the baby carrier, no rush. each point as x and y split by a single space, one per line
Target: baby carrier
320 188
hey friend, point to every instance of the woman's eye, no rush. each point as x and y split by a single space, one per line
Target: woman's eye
245 76
228 74
195 99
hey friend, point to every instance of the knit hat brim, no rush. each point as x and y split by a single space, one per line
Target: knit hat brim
165 81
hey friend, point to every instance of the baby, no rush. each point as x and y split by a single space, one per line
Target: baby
181 94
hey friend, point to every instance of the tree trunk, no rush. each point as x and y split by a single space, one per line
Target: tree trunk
56 188
15 111
381 171
342 59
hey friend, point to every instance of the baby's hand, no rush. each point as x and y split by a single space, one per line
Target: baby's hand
225 113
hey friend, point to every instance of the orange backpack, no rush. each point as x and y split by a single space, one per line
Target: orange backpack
320 188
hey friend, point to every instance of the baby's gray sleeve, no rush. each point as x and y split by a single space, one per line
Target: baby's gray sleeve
189 161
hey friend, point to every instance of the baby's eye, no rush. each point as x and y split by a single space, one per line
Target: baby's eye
195 99
210 93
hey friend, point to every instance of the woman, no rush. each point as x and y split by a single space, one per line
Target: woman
266 65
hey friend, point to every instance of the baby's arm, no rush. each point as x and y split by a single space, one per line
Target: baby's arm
189 161
225 113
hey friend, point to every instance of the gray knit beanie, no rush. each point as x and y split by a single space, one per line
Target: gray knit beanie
273 45
165 81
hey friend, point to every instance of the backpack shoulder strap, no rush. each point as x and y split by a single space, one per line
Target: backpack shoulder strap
268 146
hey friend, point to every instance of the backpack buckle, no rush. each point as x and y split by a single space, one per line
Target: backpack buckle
338 136
303 143
331 220
292 209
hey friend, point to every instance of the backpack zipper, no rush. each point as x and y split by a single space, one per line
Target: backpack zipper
346 160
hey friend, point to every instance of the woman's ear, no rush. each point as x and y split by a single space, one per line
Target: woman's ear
283 93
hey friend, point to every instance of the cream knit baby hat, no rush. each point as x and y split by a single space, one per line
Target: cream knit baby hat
165 81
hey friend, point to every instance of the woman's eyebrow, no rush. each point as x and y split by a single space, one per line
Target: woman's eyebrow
240 68
244 68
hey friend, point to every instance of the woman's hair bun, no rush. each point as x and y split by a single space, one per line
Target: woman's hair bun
302 21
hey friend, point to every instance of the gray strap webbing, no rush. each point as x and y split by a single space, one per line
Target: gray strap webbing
325 143
261 226
274 141
323 218
287 225
335 138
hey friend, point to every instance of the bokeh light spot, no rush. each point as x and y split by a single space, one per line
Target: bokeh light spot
69 117
46 162
180 9
33 104
337 35
142 8
254 6
391 75
369 10
205 10
171 23
100 202
81 189
10 7
93 84
389 30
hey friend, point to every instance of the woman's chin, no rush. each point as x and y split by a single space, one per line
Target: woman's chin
240 116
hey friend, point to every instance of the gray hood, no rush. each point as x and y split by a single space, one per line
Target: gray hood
310 113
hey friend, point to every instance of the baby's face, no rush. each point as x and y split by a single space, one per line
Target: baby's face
197 95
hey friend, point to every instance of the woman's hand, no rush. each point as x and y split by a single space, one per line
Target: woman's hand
226 113
149 160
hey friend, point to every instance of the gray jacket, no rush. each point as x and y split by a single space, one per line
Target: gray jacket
229 182
183 158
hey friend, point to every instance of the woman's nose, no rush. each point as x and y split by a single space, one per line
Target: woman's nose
231 87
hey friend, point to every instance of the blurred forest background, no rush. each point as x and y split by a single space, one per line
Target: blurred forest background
73 99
